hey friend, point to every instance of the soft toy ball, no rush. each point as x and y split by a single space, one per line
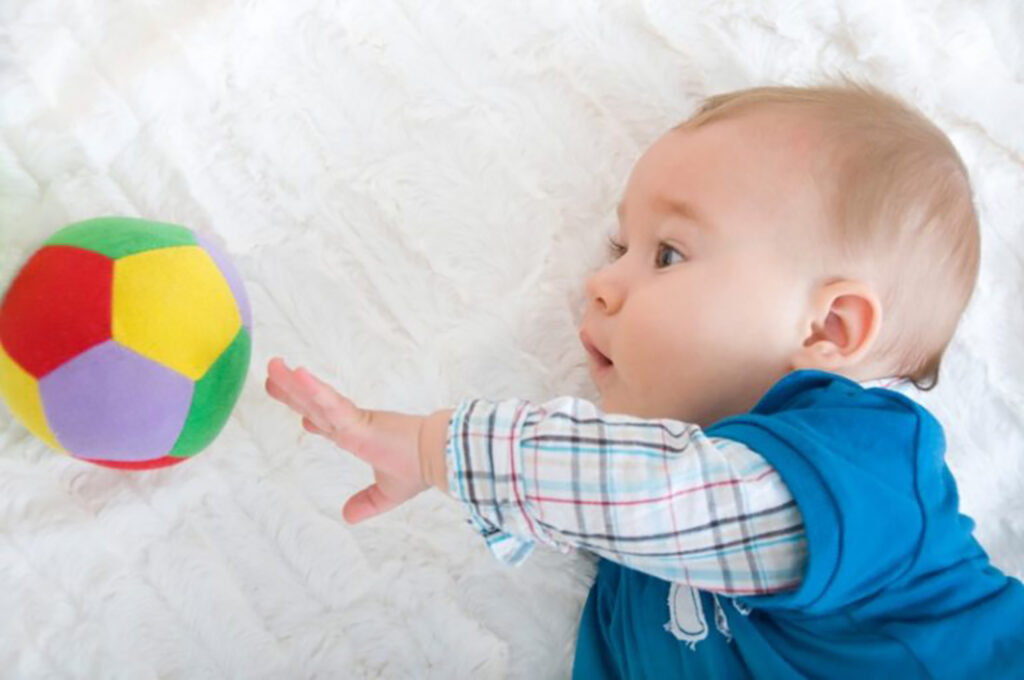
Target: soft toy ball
125 342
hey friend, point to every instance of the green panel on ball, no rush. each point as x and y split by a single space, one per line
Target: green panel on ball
214 397
120 236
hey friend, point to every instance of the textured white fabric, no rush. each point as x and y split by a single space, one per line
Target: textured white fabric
414 192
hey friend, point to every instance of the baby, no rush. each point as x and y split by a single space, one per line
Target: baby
764 497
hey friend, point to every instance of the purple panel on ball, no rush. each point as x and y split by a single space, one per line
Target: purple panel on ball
113 404
227 268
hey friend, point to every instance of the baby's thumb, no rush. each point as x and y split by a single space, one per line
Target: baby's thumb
367 503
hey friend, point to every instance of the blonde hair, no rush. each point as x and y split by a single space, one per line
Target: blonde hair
901 197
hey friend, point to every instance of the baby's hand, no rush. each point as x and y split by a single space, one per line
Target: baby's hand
388 441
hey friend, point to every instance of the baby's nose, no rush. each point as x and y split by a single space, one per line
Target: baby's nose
604 291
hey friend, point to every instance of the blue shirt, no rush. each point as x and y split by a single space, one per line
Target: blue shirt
895 583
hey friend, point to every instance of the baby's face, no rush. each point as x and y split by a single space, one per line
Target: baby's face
703 312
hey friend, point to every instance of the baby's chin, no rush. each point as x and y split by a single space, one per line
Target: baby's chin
608 405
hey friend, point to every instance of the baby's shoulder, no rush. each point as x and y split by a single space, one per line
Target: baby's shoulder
825 419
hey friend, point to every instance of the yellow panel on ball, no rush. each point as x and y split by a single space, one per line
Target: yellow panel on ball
21 392
174 306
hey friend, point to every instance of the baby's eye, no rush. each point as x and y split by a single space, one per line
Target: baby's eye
666 248
617 250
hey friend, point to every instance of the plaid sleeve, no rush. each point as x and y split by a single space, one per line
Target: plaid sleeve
658 496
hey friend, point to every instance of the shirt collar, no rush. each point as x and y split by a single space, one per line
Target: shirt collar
894 383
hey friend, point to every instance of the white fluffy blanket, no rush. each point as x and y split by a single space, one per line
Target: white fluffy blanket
414 192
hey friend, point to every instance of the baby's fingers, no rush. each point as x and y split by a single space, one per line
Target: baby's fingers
388 441
301 392
310 426
275 390
336 416
281 386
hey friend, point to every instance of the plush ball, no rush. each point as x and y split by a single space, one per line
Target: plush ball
125 342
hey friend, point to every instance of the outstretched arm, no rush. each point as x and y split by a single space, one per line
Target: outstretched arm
655 495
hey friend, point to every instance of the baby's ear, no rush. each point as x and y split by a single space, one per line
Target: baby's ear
843 321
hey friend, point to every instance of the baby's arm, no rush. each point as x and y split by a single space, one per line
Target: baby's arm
658 496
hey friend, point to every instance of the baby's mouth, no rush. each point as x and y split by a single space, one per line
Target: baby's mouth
598 357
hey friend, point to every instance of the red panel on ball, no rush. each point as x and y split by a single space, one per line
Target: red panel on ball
165 461
57 307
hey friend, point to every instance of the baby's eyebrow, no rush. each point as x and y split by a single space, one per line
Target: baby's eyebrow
673 207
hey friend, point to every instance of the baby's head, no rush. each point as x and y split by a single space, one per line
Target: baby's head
779 229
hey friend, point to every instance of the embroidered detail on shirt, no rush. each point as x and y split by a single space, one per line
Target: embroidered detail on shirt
686 615
721 623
